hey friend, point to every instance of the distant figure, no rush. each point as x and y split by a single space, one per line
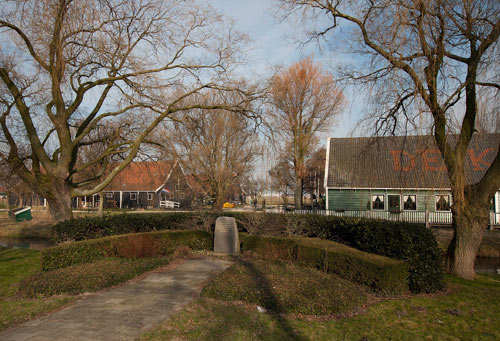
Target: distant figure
255 203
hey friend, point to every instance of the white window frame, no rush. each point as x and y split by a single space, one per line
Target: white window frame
404 201
150 196
133 196
109 195
437 196
373 201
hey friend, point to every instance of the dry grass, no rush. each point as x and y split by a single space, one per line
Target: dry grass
39 226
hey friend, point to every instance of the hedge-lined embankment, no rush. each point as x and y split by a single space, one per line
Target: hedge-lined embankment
151 244
412 243
383 275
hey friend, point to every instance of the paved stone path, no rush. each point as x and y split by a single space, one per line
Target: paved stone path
126 312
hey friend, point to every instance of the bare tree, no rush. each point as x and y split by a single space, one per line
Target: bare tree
427 58
314 175
69 68
305 100
217 148
282 176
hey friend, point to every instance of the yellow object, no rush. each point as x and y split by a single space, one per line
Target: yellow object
228 205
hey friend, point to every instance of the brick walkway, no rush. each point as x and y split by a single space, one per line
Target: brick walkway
126 312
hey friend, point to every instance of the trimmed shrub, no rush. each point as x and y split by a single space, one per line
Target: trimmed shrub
82 278
382 274
286 288
412 243
97 227
151 244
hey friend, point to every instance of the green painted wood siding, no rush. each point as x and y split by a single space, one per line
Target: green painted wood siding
360 199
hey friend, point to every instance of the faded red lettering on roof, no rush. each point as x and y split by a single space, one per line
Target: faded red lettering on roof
397 156
478 160
432 160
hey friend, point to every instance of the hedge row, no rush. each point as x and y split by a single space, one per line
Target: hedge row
382 274
82 278
152 244
412 243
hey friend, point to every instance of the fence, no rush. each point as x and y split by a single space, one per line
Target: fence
430 218
169 204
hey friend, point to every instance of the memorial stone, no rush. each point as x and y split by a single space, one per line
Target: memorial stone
226 238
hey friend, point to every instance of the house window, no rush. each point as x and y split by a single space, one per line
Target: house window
442 202
177 187
109 195
171 195
410 202
394 202
133 196
378 202
182 196
150 196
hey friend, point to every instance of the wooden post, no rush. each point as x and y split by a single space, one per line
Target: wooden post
101 204
427 218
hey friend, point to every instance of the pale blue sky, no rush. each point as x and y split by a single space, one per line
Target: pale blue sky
272 43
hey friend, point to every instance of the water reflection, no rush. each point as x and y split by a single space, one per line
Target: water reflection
487 265
25 243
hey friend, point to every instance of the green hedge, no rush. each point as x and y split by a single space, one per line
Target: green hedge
412 243
82 278
382 274
109 225
151 244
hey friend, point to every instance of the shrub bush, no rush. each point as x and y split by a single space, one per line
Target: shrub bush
382 274
97 227
412 243
286 288
82 278
149 244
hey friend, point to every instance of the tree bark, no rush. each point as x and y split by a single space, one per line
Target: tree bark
60 203
298 193
469 226
101 204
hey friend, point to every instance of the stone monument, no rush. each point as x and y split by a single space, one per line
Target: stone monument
226 240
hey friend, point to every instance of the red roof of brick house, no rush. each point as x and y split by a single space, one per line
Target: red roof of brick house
141 176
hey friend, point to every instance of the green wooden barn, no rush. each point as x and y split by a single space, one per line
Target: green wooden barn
400 177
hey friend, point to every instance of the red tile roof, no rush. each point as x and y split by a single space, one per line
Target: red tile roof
141 176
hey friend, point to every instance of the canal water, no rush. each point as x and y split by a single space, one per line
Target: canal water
26 243
487 265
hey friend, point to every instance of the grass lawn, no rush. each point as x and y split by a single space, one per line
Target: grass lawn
468 310
15 265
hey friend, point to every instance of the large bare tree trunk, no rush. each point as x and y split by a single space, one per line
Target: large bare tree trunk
469 224
60 208
298 193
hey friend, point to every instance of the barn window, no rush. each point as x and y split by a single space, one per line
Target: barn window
442 202
378 202
133 196
109 195
410 202
150 196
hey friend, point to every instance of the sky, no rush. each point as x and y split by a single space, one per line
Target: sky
273 42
